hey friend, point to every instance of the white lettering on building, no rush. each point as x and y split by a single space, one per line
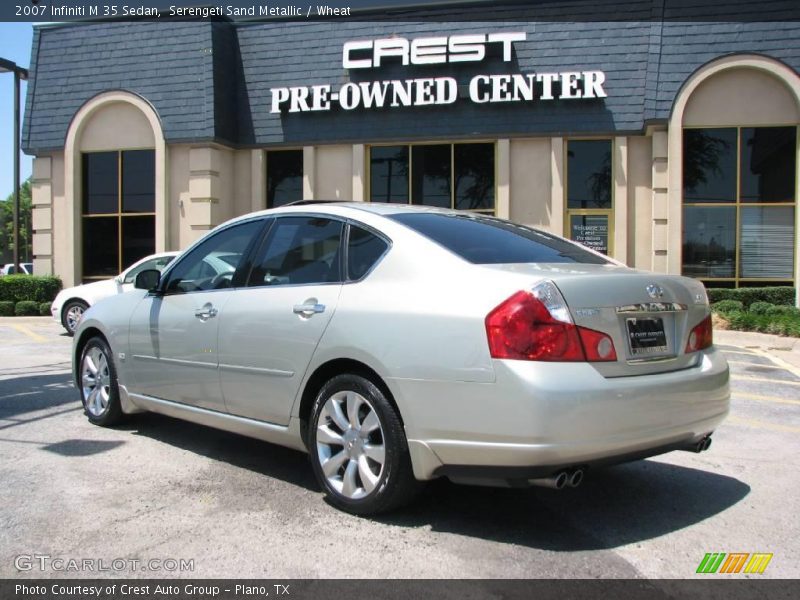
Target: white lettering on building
365 54
437 91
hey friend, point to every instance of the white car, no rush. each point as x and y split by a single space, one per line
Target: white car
25 269
70 303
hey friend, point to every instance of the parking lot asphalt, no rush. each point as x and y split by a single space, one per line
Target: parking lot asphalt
156 489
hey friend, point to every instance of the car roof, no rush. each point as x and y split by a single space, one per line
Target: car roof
342 208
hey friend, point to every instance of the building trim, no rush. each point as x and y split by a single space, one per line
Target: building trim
777 69
72 167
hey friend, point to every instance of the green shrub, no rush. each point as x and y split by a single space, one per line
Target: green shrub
784 310
774 295
727 306
783 327
786 324
35 288
743 321
6 308
761 308
44 309
26 308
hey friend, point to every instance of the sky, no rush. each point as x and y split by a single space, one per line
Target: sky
15 45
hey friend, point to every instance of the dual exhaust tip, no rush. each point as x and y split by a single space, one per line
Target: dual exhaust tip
560 480
703 445
574 477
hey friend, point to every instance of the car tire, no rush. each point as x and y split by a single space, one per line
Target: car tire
353 427
98 384
71 315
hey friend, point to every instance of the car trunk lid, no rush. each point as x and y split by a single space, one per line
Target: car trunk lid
648 316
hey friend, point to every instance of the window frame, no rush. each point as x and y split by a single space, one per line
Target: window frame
609 213
410 179
738 205
119 215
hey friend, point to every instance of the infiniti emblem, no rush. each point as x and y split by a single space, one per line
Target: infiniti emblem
654 291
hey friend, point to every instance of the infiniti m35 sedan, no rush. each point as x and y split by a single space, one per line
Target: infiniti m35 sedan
397 344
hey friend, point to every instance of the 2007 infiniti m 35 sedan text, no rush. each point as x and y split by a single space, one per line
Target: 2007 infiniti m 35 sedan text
397 344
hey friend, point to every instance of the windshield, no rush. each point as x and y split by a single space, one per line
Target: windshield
480 239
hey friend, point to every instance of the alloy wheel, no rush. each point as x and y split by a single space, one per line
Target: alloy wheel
74 316
350 445
96 381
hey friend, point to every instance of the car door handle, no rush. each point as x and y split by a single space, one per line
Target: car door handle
308 309
208 311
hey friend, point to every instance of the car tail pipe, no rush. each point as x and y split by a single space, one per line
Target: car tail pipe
575 478
560 480
702 445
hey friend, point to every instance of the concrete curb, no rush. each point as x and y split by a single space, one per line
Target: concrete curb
780 348
25 320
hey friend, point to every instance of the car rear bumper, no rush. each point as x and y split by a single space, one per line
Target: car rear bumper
55 307
516 476
537 418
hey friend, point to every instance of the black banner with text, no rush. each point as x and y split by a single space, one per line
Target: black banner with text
376 589
44 11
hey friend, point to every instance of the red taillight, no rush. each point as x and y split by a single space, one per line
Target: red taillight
523 328
700 337
598 346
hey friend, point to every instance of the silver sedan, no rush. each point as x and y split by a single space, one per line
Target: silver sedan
397 344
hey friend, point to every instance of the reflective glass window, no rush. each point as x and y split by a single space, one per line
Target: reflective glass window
709 165
709 241
138 181
474 176
430 175
388 171
768 164
100 183
588 174
284 177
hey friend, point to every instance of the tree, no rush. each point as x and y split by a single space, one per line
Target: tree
25 225
702 155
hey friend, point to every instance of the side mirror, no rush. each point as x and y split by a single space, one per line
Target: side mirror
147 280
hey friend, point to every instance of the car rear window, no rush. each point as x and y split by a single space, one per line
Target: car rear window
486 240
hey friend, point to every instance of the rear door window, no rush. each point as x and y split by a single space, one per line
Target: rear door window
299 250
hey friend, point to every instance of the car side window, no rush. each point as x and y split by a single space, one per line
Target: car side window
299 250
363 251
157 263
212 264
